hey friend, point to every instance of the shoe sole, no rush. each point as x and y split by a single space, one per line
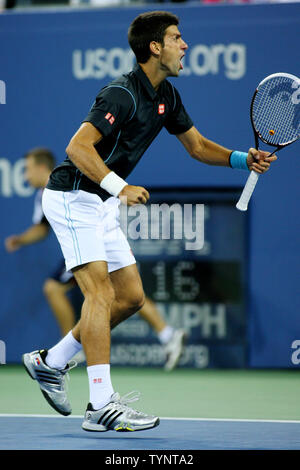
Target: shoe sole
100 428
51 403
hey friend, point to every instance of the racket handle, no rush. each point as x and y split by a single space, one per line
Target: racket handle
242 203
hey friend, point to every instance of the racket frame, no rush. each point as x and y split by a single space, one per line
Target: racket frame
242 204
255 131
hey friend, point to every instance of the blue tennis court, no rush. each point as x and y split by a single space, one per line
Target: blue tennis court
29 432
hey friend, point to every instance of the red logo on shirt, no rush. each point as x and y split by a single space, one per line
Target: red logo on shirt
97 381
161 109
110 118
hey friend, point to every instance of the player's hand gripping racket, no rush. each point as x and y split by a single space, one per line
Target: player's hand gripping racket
275 118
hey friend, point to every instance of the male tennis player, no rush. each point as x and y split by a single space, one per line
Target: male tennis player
81 203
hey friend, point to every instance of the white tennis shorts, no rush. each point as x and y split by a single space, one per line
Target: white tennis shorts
87 228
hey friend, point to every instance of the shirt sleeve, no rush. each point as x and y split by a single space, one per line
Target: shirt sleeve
113 106
178 120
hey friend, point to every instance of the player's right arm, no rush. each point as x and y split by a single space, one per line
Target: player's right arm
81 151
211 153
33 234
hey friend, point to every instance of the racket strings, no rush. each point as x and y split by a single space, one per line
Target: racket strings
275 114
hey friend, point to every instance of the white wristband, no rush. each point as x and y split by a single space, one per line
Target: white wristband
113 184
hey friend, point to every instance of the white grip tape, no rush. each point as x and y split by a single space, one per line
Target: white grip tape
242 203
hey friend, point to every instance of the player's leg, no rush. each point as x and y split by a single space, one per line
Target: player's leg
93 329
49 367
62 308
129 297
94 332
129 294
82 236
106 409
96 287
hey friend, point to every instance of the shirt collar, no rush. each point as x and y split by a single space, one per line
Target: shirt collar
145 81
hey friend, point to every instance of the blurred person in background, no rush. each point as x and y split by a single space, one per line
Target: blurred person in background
39 162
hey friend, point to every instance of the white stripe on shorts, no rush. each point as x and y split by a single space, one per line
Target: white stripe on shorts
72 230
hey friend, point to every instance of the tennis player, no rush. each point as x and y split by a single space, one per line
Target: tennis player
82 200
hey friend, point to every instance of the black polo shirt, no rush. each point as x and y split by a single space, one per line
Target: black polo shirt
129 113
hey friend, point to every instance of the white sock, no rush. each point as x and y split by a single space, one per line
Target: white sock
166 334
62 352
101 388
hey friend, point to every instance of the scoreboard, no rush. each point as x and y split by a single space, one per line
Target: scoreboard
198 284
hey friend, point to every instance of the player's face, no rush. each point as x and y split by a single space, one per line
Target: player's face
172 52
32 172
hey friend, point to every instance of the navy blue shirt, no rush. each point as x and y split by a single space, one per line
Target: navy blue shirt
129 113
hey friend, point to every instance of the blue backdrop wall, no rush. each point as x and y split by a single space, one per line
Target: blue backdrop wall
52 65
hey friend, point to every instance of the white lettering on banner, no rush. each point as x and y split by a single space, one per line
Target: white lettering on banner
12 181
200 60
2 352
154 354
154 222
2 92
198 355
296 354
100 63
210 318
203 60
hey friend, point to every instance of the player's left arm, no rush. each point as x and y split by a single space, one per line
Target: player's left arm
211 153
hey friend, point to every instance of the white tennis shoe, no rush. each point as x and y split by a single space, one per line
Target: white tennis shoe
51 381
118 416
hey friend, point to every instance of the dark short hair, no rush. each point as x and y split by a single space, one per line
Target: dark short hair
42 156
147 27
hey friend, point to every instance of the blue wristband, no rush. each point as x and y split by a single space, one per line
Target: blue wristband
238 160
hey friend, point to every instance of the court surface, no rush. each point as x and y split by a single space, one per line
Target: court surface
199 409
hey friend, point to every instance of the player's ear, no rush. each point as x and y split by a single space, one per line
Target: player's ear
155 48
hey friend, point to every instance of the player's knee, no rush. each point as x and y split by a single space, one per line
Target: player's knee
140 301
50 287
136 301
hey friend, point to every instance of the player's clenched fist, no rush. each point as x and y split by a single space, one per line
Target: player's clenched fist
131 195
259 161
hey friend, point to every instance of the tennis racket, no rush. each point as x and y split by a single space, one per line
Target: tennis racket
275 119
